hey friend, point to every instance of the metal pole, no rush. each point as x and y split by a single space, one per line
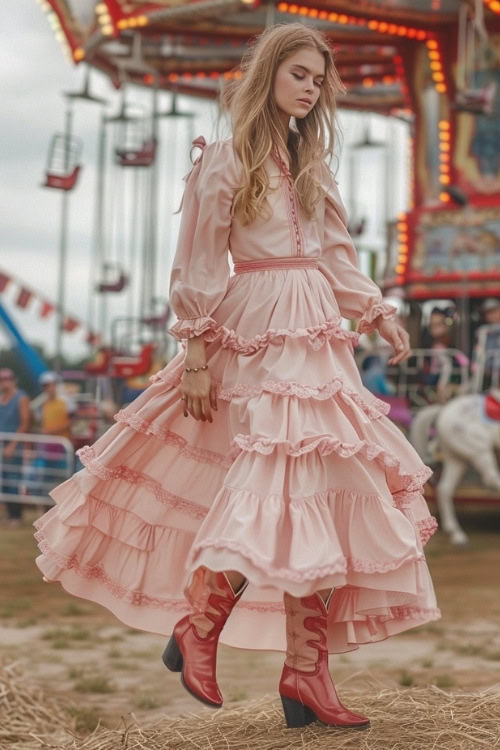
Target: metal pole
153 237
63 244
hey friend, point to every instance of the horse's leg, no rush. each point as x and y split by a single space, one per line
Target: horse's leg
453 471
486 464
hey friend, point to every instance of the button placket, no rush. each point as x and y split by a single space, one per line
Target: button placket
291 200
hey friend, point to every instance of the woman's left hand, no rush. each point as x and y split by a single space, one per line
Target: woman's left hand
398 337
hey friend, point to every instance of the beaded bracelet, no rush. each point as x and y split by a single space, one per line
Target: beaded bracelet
195 369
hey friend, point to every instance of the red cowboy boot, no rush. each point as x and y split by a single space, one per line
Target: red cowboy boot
192 648
306 687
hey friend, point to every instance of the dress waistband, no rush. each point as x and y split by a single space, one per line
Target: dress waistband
280 263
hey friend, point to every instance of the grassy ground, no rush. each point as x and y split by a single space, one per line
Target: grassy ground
77 649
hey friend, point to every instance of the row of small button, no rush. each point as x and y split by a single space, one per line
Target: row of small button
293 204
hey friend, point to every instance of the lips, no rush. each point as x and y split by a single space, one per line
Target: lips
306 101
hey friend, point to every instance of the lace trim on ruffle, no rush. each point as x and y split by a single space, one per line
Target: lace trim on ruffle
411 613
340 565
140 599
374 410
426 528
201 455
137 598
367 321
317 335
326 445
187 328
91 462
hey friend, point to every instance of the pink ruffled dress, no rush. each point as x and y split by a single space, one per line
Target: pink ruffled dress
300 483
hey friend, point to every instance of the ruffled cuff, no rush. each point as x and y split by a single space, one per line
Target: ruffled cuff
188 328
368 322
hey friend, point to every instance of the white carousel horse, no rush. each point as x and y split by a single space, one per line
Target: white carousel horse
468 431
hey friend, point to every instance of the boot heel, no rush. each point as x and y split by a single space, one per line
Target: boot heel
296 714
172 657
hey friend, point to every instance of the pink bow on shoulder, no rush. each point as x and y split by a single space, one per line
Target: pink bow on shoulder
201 143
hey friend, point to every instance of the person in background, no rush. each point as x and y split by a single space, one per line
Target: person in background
14 417
490 310
55 420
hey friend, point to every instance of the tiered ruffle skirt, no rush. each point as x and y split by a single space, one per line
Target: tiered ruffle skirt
300 483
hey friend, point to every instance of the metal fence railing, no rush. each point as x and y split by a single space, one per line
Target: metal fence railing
37 465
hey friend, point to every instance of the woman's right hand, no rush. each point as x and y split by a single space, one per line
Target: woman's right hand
199 394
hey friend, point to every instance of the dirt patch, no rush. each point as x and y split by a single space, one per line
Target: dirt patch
78 650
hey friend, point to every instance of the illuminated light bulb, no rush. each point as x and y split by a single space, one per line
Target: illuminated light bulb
495 6
402 31
293 8
105 18
403 238
101 8
343 18
436 66
444 135
403 248
368 82
383 26
412 33
323 15
400 268
107 30
402 225
313 13
392 28
333 17
444 146
444 167
433 55
401 215
303 10
122 23
440 88
374 25
444 179
282 7
142 20
78 54
132 22
444 124
438 77
444 197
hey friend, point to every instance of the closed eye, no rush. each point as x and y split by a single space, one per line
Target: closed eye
301 78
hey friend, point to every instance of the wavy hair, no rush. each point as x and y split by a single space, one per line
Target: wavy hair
255 124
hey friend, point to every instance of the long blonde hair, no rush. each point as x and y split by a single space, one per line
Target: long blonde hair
255 121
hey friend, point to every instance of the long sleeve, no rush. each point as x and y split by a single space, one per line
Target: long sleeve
356 294
200 270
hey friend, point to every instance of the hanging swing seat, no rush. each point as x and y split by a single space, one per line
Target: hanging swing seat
100 365
141 157
126 367
477 101
111 284
63 167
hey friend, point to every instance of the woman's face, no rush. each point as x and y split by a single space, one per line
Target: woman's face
299 76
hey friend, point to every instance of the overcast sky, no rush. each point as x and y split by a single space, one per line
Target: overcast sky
33 73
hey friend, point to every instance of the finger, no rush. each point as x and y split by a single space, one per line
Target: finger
213 397
206 408
189 405
197 411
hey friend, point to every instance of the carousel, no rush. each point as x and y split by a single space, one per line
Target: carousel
433 64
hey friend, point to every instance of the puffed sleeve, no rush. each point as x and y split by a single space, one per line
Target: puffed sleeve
200 270
357 295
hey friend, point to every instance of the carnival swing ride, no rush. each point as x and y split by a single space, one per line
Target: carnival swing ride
435 64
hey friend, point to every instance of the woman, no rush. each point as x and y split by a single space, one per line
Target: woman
283 494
